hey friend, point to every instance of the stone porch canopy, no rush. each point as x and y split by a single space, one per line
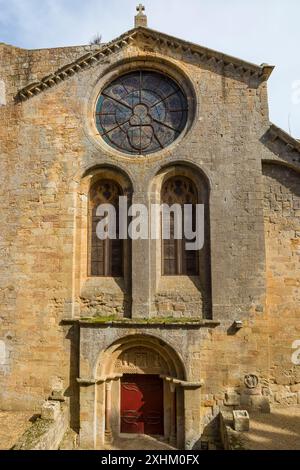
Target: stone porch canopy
155 42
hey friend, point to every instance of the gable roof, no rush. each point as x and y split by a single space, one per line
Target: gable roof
275 133
204 55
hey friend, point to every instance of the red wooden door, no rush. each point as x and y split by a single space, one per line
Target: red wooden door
142 405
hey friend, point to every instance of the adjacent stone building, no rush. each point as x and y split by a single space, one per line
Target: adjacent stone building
151 117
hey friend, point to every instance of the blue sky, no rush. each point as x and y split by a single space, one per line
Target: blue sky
254 30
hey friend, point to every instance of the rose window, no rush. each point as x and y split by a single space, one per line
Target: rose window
141 112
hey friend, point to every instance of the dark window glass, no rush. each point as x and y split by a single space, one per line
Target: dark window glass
141 112
176 260
106 256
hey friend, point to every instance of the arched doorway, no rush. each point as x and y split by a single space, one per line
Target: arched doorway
143 391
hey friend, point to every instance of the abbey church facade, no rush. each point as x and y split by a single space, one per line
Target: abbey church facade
141 336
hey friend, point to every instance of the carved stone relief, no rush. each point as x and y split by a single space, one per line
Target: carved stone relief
141 360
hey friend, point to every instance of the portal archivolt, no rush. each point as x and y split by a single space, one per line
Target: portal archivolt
141 354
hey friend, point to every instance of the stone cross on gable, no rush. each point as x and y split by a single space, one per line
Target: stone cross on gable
140 8
140 18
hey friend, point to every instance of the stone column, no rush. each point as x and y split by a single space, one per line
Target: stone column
141 269
192 415
87 415
108 430
173 430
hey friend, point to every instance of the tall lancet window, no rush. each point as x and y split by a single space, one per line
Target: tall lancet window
106 256
176 260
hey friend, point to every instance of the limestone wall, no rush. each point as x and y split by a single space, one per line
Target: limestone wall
282 229
49 154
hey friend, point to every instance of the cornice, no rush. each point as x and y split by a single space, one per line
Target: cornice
275 133
203 55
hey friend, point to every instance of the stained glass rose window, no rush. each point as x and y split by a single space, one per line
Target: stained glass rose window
141 112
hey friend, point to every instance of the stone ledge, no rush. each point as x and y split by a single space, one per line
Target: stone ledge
86 382
45 434
142 323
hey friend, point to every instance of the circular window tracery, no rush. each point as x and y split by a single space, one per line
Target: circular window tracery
141 112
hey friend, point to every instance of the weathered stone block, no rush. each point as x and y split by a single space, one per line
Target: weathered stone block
245 400
259 403
286 398
50 410
241 421
232 399
295 388
57 395
209 403
253 391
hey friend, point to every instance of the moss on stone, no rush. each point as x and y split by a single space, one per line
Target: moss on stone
237 442
142 321
105 319
31 437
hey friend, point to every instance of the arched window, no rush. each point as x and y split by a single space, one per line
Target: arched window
176 260
106 256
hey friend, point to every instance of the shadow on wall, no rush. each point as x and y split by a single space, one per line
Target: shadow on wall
72 391
279 430
283 146
210 437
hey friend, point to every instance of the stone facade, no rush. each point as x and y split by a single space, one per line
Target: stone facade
54 323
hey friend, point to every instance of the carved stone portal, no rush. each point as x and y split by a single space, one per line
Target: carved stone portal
141 360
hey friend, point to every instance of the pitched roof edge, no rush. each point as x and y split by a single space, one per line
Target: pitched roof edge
264 69
83 62
91 58
278 133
